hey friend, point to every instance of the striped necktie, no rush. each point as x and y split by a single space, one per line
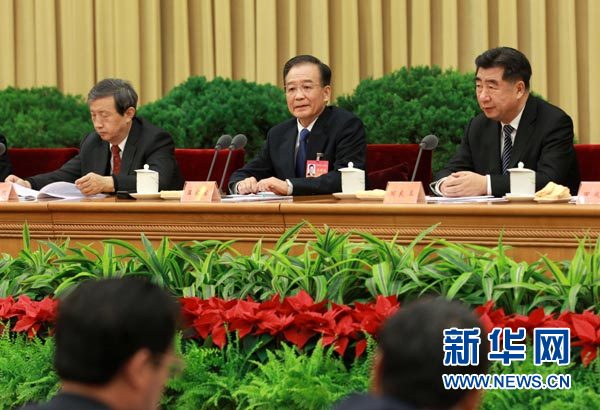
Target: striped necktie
507 150
301 154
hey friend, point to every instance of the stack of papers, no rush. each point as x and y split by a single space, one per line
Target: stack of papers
261 196
60 190
464 199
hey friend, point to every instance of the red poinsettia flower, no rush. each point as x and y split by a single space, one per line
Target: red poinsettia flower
32 315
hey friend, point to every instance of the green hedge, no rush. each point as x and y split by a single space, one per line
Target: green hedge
408 104
198 111
43 117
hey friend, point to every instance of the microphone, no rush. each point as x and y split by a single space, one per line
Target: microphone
239 141
224 140
2 148
428 143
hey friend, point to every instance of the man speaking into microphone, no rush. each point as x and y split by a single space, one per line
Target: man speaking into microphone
319 138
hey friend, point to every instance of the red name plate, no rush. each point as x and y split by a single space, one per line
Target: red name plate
589 193
200 191
404 193
7 192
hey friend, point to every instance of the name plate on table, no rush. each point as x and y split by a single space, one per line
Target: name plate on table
589 193
200 191
7 192
404 193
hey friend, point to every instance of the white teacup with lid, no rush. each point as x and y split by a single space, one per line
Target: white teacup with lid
146 181
353 179
522 181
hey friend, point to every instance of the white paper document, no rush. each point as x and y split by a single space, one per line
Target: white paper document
261 196
60 190
464 199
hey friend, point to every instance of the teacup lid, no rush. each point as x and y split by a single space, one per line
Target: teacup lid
520 168
350 168
146 170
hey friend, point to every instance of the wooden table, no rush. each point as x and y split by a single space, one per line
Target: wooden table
532 229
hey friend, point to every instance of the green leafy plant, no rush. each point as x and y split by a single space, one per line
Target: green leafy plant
197 111
408 104
583 394
43 117
26 373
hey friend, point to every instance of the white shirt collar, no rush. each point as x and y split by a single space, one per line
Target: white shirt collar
515 122
310 126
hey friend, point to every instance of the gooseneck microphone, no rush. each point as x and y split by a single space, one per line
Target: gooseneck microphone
239 141
2 148
224 141
428 143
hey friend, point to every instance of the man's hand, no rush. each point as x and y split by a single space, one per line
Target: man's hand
275 185
92 184
16 180
247 186
464 183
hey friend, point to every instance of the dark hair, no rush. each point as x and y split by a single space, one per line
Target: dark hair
411 343
308 59
516 65
101 324
122 91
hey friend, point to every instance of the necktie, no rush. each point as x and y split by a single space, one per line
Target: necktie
301 155
116 159
506 151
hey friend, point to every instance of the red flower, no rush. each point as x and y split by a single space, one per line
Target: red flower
32 315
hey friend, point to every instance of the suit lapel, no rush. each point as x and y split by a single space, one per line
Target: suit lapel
492 147
288 150
317 140
130 148
100 163
524 132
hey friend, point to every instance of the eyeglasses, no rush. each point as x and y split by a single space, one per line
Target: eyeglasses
307 88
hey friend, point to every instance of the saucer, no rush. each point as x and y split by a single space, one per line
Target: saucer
341 195
146 196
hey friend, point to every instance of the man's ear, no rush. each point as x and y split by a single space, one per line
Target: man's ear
377 376
521 90
136 370
129 113
327 92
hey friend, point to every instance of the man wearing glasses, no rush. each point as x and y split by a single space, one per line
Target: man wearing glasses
324 136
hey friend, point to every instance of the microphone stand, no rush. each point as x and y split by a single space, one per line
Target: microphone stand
417 163
231 147
212 164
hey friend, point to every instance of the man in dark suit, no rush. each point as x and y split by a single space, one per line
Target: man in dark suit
333 134
114 346
121 144
514 127
5 165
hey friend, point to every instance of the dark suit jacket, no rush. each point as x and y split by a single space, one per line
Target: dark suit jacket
338 134
5 165
146 144
544 143
68 401
371 402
